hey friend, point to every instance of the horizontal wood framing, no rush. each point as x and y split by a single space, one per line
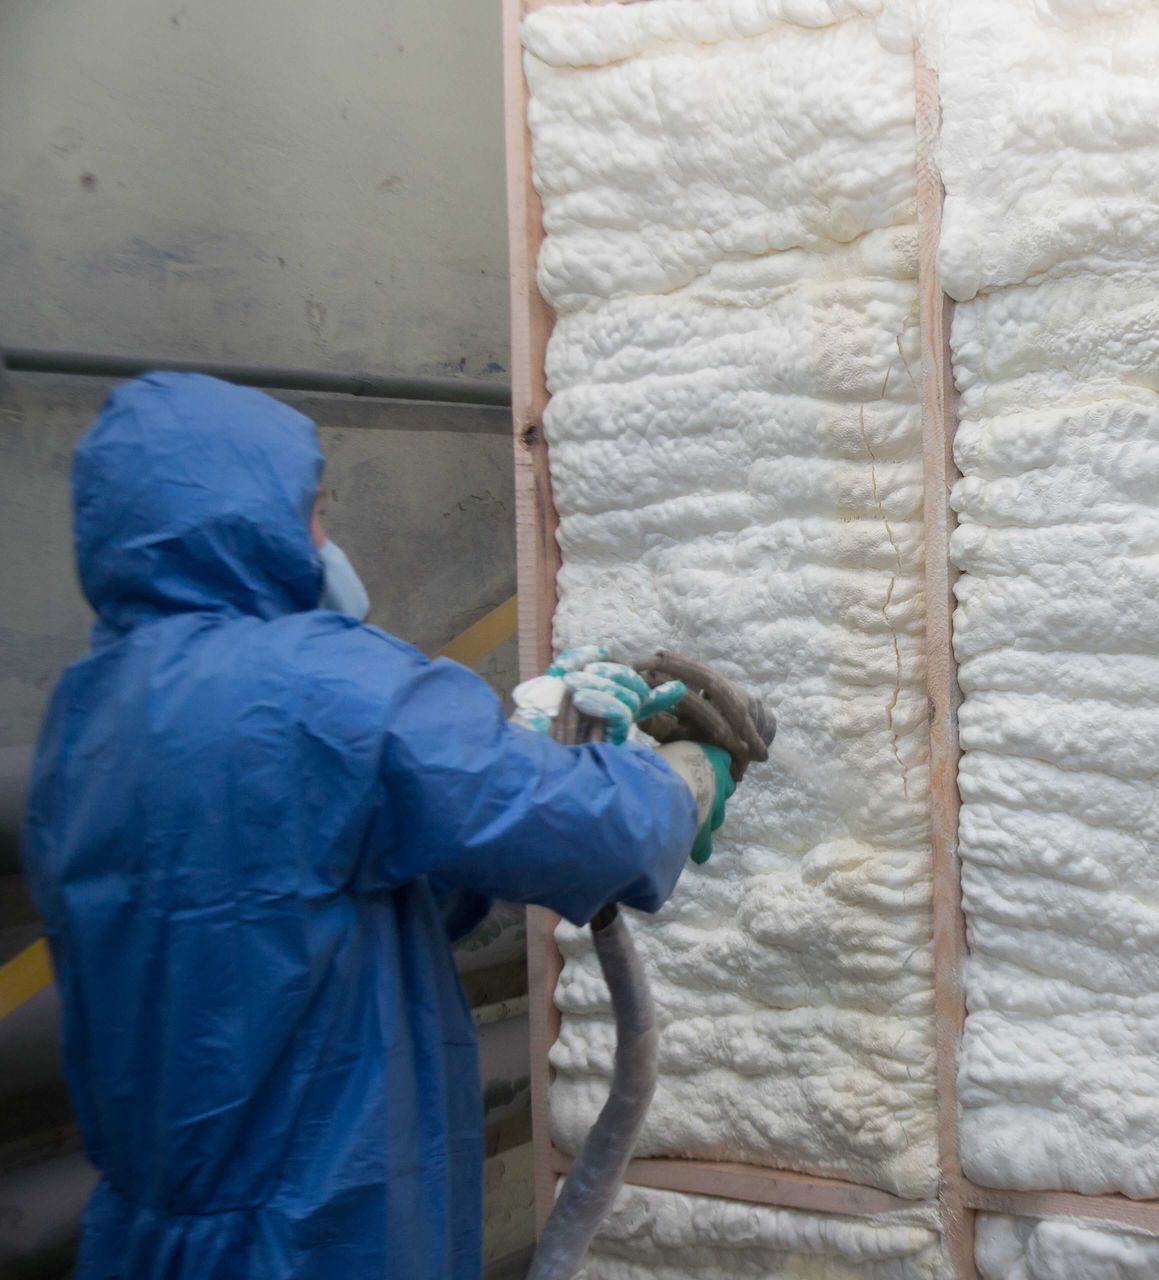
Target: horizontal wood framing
536 525
755 1184
1142 1215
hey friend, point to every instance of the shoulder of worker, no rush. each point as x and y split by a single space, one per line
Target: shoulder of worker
356 663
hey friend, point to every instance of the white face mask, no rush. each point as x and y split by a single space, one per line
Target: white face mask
342 588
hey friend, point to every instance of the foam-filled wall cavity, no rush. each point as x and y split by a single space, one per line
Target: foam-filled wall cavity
670 1237
728 198
1061 1249
1050 243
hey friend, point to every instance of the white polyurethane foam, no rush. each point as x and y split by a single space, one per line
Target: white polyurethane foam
1051 157
1061 1249
665 1236
1048 139
736 457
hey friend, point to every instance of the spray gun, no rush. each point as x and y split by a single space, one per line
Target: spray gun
717 713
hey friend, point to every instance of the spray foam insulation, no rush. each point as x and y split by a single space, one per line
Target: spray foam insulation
1055 344
731 253
736 459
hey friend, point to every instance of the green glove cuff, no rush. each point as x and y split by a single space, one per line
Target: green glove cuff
721 763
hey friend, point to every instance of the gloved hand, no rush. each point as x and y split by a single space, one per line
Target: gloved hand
721 716
707 771
604 690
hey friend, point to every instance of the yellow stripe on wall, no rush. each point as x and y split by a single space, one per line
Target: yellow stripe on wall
24 976
485 636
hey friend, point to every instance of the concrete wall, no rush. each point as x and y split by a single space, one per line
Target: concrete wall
281 183
272 181
420 498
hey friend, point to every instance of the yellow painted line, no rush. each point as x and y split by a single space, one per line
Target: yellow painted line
484 636
24 976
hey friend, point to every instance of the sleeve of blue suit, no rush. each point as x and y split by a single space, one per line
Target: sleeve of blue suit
494 809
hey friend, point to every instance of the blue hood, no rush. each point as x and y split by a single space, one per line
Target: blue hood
191 494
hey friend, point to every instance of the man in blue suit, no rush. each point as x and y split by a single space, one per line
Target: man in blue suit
254 824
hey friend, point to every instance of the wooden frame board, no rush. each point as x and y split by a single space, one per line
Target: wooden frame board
536 524
537 550
755 1184
531 322
949 928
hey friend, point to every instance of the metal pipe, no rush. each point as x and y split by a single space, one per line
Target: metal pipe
15 768
377 386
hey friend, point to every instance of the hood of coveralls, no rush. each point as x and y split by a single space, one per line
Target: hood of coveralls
190 494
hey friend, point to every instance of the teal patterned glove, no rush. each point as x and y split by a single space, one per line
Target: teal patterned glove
608 691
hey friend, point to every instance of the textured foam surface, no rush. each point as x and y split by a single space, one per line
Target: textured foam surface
735 441
663 1236
1049 142
1061 1249
1051 156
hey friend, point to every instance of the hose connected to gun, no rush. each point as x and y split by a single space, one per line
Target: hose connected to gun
598 1172
716 712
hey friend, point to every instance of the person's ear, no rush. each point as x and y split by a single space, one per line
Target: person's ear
317 530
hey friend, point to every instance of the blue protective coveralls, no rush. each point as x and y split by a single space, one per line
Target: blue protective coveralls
251 821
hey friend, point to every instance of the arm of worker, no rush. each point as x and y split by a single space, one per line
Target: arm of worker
477 804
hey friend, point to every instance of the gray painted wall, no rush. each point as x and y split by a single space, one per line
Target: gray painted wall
274 182
279 182
420 498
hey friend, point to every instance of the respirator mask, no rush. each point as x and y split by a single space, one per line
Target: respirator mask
342 589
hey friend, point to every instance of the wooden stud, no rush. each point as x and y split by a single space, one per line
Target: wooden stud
780 1188
755 1184
537 551
1142 1215
544 965
942 682
531 322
